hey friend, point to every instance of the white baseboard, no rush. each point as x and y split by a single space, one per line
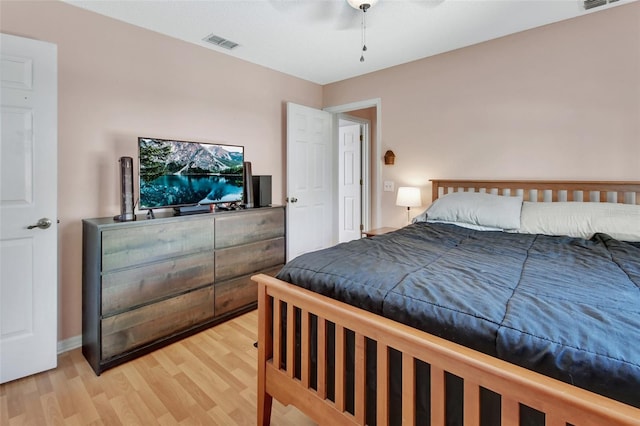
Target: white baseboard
70 343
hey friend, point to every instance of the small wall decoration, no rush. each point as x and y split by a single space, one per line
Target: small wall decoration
389 157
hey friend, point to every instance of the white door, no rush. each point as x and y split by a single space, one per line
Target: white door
310 180
349 183
28 193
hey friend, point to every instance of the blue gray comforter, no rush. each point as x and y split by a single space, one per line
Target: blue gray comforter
565 307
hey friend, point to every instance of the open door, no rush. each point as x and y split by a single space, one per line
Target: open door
310 180
350 182
28 207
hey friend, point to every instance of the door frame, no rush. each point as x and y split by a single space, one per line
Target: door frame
372 181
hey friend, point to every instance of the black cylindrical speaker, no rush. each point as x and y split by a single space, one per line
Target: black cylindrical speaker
126 189
248 185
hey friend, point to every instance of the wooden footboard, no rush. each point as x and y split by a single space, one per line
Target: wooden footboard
280 377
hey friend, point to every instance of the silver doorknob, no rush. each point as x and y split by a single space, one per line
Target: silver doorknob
43 223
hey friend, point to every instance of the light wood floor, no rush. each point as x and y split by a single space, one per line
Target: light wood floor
206 379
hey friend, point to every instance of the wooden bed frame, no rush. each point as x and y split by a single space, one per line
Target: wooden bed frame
560 402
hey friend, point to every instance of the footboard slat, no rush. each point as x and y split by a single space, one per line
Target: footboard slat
340 370
437 396
304 349
277 332
360 379
291 333
471 403
322 358
408 390
382 384
560 402
554 421
510 411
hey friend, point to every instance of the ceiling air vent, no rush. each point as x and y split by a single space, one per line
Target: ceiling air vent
590 4
220 41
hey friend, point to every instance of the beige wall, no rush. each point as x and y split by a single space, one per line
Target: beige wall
556 102
117 82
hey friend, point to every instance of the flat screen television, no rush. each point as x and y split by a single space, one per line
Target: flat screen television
182 173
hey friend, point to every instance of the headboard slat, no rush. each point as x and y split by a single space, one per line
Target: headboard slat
609 191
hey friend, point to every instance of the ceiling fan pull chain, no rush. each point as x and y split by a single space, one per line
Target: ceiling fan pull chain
363 5
364 8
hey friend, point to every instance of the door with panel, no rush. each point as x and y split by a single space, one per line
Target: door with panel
310 180
349 181
28 207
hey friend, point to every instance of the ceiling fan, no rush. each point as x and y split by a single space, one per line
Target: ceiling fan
365 5
344 14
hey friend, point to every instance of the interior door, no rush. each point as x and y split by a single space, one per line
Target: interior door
349 182
310 180
28 196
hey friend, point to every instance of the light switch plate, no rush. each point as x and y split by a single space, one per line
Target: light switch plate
389 186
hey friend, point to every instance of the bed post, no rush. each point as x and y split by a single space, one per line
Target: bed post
435 189
265 352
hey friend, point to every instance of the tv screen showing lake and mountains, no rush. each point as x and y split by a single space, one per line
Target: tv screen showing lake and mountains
181 173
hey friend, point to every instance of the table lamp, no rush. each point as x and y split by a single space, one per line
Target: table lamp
409 196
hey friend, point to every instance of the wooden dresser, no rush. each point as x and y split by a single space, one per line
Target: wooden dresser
148 283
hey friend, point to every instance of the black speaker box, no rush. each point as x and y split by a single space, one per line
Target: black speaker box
261 191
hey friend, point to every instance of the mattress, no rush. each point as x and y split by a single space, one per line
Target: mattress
565 307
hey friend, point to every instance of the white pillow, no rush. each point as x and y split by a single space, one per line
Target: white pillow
476 210
576 219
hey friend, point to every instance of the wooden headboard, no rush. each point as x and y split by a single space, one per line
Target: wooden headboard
547 191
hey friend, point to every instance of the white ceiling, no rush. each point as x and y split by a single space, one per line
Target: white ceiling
320 40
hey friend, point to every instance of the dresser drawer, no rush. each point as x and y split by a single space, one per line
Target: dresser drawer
136 245
249 258
129 330
126 288
248 227
238 292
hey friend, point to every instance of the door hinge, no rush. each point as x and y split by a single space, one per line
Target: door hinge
361 138
361 227
361 182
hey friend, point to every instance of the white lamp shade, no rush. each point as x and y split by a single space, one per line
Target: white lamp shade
409 196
